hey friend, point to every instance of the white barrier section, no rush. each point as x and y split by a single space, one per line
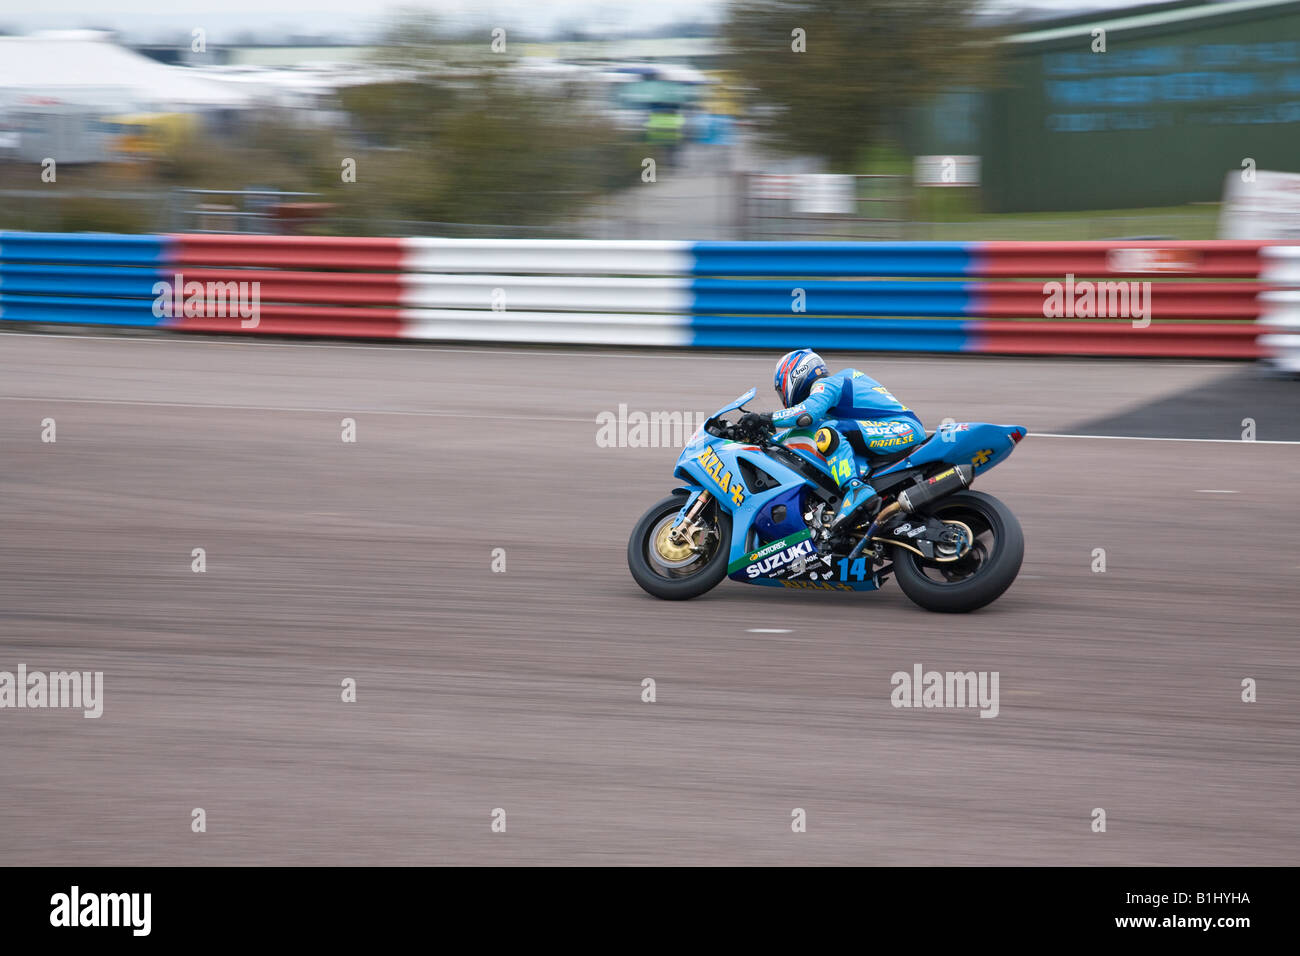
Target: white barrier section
576 292
542 293
1280 310
575 257
560 327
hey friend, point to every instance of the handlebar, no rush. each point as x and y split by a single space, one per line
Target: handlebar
737 431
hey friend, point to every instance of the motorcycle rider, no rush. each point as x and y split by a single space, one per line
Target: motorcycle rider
855 417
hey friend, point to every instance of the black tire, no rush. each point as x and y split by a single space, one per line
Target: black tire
692 580
983 575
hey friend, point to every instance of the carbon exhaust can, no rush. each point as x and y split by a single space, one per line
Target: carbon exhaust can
945 483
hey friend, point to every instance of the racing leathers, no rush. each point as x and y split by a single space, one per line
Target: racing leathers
855 417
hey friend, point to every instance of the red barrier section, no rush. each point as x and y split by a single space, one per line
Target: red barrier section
327 288
1168 300
292 252
1113 257
305 320
1193 340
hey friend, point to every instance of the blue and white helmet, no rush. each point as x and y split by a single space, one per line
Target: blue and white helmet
795 374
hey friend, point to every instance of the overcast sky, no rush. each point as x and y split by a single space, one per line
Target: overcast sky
223 19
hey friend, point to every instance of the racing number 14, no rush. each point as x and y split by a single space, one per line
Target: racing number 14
858 570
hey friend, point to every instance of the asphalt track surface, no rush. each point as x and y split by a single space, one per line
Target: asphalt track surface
522 690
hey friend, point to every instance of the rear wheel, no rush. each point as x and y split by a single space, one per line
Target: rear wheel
982 574
678 572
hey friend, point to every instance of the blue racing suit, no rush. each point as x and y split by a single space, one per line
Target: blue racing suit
854 416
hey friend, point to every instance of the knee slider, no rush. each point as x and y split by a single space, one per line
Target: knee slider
827 440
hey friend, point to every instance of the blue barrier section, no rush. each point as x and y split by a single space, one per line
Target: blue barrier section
81 247
792 332
79 310
81 278
131 281
741 300
789 297
865 259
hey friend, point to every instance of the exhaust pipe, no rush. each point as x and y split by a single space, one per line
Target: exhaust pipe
944 483
918 496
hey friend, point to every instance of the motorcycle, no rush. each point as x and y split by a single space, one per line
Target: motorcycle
758 508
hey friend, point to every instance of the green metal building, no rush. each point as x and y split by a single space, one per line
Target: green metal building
1182 95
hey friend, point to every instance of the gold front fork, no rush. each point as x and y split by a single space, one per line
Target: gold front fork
683 533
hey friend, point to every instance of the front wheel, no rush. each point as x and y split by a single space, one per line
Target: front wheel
981 575
678 572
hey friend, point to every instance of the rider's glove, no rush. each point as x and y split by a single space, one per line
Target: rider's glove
754 421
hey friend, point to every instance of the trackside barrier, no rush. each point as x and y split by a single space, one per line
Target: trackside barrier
1067 298
1280 309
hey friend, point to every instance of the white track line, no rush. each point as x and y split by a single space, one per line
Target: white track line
1217 441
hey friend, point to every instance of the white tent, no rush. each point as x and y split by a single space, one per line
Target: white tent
86 68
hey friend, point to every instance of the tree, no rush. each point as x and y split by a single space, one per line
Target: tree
862 63
489 149
470 137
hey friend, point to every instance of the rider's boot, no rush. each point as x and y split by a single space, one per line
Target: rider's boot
860 502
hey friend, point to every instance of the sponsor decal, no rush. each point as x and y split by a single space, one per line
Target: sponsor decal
981 456
817 585
890 442
713 466
788 543
777 563
801 444
884 428
1152 260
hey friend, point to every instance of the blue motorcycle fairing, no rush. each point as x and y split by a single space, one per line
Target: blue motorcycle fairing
708 462
699 438
770 527
748 396
868 584
817 462
962 443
